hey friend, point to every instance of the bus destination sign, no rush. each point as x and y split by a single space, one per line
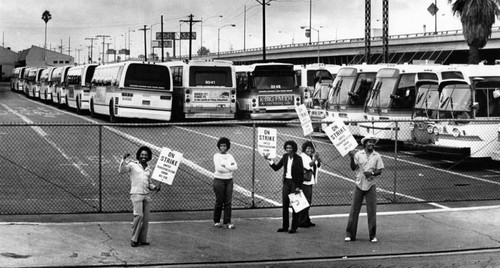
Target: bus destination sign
276 100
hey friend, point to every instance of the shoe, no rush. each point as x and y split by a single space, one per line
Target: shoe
347 239
282 230
292 231
374 240
311 224
218 225
134 244
144 243
230 226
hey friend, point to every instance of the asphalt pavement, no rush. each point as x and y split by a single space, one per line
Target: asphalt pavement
457 235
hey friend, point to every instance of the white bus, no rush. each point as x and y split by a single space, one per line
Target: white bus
425 110
32 89
267 91
392 97
58 87
14 78
46 84
308 75
203 89
347 95
78 87
473 105
132 90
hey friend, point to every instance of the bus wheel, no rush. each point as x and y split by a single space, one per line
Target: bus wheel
92 112
112 117
78 109
66 102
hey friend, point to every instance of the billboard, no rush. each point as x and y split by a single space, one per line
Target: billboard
166 35
166 43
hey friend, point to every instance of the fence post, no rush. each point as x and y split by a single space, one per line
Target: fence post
100 168
253 167
395 161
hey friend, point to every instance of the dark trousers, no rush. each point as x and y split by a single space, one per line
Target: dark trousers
223 198
304 214
371 209
288 188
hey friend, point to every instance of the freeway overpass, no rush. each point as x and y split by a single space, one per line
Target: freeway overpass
445 47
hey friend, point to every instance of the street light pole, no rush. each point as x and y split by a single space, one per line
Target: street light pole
201 31
103 43
218 37
317 30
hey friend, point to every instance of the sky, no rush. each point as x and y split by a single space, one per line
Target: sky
75 20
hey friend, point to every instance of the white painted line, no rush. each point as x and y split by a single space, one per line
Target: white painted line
326 216
44 135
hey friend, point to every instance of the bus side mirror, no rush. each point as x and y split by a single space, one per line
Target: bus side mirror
496 93
475 106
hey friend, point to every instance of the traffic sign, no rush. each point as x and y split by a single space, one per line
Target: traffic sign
433 9
166 36
166 43
185 35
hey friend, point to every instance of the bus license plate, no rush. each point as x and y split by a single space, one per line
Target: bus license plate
276 100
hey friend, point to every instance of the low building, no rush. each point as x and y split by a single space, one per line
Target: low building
39 57
8 60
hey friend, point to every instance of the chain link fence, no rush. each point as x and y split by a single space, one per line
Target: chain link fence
73 168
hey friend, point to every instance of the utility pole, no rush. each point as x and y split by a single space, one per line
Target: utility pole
161 43
145 49
191 21
367 30
107 49
103 43
78 51
91 47
263 3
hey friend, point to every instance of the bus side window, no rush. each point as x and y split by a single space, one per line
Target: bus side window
241 82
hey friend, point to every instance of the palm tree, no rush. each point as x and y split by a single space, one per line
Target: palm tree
46 16
477 17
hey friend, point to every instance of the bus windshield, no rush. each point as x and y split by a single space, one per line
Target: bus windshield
210 76
339 94
381 93
455 98
147 76
427 101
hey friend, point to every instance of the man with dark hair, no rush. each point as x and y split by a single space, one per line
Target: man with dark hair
293 177
367 164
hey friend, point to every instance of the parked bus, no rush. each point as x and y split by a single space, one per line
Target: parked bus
78 87
392 97
267 91
347 95
58 87
22 83
473 108
32 89
46 83
307 78
203 89
14 78
132 90
426 105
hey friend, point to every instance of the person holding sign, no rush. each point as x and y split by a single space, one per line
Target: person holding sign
367 164
312 162
225 165
140 192
293 177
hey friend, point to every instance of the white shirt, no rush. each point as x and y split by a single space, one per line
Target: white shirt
229 163
306 160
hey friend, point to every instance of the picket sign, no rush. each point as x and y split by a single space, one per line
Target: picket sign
167 165
305 120
298 201
266 141
341 137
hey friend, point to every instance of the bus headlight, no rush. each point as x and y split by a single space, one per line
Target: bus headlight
188 91
430 129
254 105
188 100
455 132
254 101
435 130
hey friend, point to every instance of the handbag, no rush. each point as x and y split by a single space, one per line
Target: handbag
308 174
